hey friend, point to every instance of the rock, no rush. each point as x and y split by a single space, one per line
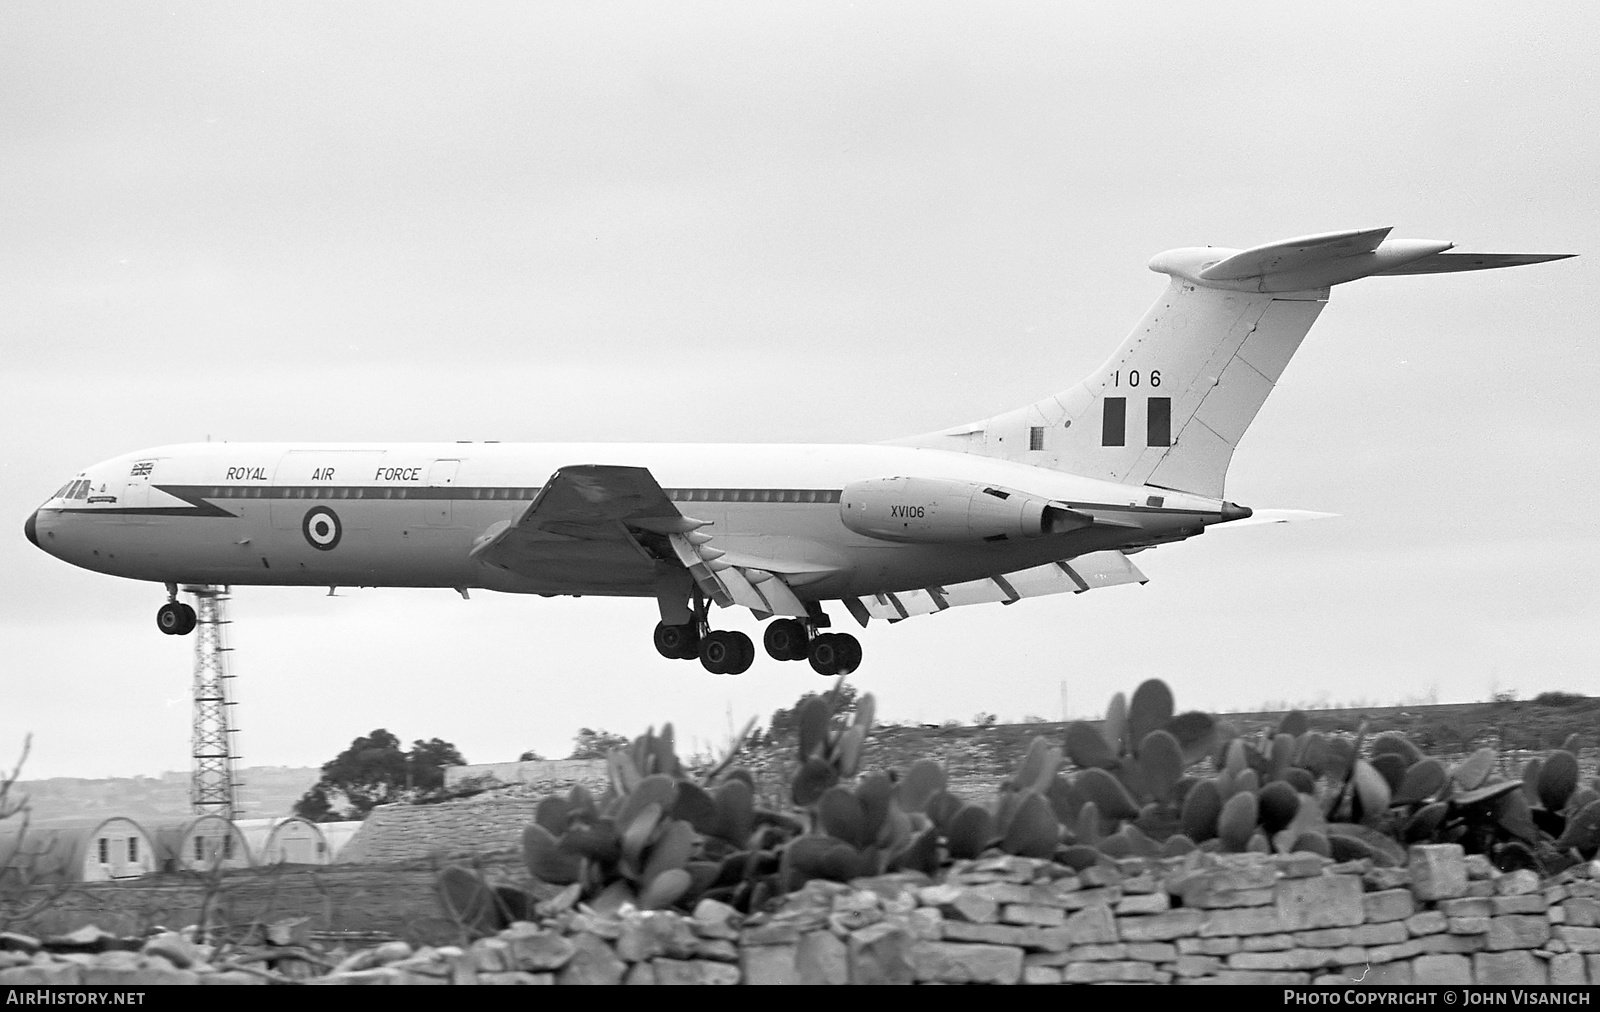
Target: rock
1091 925
1519 931
173 947
768 964
1579 939
1519 903
50 974
1327 901
1500 968
1148 903
1441 969
1438 870
693 971
655 933
1162 927
1568 969
640 973
88 938
1018 913
714 919
491 955
1517 883
591 923
592 962
538 951
1388 905
231 977
957 963
820 958
13 941
389 952
881 954
1480 869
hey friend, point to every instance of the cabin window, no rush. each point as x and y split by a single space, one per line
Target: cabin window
1036 437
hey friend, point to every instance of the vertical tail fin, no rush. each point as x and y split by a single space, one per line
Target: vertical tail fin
1169 407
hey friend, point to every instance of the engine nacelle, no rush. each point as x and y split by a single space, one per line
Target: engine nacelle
941 510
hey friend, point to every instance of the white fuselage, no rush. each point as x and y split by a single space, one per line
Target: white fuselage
409 514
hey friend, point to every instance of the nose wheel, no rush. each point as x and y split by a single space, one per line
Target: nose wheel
175 618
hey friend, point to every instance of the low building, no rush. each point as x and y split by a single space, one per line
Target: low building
76 850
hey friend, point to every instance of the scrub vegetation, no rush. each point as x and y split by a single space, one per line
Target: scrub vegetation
1145 781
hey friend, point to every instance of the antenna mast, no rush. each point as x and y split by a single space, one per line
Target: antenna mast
211 788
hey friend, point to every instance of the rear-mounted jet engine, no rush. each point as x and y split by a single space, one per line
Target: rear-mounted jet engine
939 510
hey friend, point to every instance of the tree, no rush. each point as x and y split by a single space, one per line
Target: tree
595 743
530 756
374 771
787 722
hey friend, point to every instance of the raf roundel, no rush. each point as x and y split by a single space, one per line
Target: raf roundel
321 528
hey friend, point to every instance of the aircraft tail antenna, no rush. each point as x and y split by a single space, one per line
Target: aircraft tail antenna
212 785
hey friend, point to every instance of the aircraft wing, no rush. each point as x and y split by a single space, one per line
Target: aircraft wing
609 522
1086 572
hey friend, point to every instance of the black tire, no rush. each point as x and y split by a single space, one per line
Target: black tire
678 642
824 655
718 652
170 620
785 640
746 653
190 620
849 650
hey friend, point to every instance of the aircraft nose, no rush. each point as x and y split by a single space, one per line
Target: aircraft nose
30 527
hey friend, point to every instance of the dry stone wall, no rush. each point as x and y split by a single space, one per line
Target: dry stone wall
479 825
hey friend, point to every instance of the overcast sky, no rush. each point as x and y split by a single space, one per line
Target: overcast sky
797 222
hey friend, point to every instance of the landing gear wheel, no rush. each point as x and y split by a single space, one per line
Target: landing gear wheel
848 649
175 619
824 654
678 642
746 655
720 652
785 640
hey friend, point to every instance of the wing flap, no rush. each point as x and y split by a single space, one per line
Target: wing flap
1449 263
1086 572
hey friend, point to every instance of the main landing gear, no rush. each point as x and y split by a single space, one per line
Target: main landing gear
731 653
175 618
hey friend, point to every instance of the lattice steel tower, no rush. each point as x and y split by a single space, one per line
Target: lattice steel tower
211 789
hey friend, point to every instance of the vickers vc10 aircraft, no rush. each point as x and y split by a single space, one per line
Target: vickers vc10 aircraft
1047 498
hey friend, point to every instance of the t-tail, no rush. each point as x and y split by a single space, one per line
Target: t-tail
1169 407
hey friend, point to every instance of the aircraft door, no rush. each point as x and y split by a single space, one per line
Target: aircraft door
438 506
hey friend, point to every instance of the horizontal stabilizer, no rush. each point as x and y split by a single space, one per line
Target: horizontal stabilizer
1449 263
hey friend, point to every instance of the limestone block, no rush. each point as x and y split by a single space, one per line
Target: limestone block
1153 952
881 954
639 973
1288 959
1384 879
1019 913
768 964
1399 974
1271 943
1441 969
1099 875
771 933
1468 925
1041 974
592 962
958 963
1582 911
1517 883
231 977
1327 901
1485 888
1578 939
1162 927
540 951
1518 931
1149 903
1209 946
1438 870
1246 921
693 972
820 958
1519 903
1452 943
1390 953
1515 967
1094 973
1428 922
1593 965
1388 933
1090 898
994 934
1281 978
1467 906
1093 925
1322 938
1389 905
1196 966
1094 953
1480 869
1568 968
